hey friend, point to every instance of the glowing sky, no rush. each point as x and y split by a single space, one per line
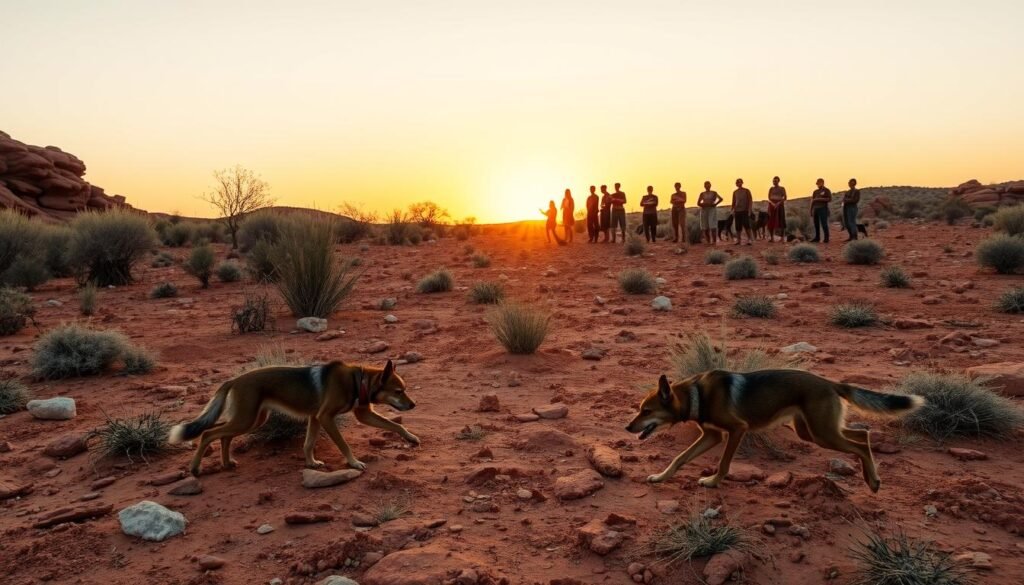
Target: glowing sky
492 108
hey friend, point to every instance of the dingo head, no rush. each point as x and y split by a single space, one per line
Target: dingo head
660 407
391 389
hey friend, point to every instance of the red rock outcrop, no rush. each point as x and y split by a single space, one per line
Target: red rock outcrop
46 182
977 195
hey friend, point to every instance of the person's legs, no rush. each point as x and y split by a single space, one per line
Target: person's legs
850 219
675 225
824 222
816 217
651 230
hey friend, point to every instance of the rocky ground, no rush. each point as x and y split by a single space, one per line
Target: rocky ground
556 498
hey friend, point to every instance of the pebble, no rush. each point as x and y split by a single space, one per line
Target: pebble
376 347
841 467
578 485
313 478
66 446
59 408
661 303
210 563
967 454
312 324
188 487
264 529
390 318
307 517
552 411
489 403
668 506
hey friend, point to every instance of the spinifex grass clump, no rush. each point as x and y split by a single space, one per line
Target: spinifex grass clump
104 247
758 306
957 406
1012 301
804 253
865 252
715 257
900 560
16 310
852 315
438 281
311 282
636 281
519 328
743 268
13 396
73 350
487 293
698 537
698 354
138 436
1002 253
895 277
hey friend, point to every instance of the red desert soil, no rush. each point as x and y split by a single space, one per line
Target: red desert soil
489 526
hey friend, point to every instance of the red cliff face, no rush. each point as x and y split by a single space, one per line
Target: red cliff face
47 183
978 195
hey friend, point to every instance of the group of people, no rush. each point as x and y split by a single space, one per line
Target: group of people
606 215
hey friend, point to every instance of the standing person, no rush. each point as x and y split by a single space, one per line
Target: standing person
850 201
776 210
593 223
552 221
742 204
619 212
649 203
678 201
819 210
568 216
606 212
708 201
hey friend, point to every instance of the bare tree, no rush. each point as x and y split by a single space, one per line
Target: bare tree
237 192
428 213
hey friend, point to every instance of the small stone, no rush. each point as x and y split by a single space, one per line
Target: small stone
779 480
264 529
668 506
721 567
931 511
967 454
841 467
387 304
605 460
59 408
599 538
364 520
337 580
210 563
524 494
307 517
312 324
188 487
600 300
800 531
166 478
102 483
330 335
981 342
552 411
151 521
489 403
390 318
578 485
744 472
376 347
313 478
800 347
66 446
912 324
661 303
593 353
412 357
527 418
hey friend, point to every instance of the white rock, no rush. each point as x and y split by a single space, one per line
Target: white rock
660 281
151 521
59 408
337 580
312 478
661 304
53 303
275 581
782 296
802 346
312 324
600 300
265 529
390 319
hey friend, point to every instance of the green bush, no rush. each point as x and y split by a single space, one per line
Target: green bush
771 257
804 254
487 293
957 406
56 240
347 231
73 350
26 272
1001 252
106 246
164 290
312 283
259 261
13 396
955 209
895 277
178 235
140 436
200 264
162 260
260 226
715 257
437 281
694 235
87 299
16 310
852 315
983 212
636 281
1011 301
481 260
519 328
635 246
1009 220
698 354
912 208
864 252
742 268
20 237
899 560
229 271
208 232
759 306
799 225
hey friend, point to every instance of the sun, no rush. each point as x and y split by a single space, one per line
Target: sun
519 193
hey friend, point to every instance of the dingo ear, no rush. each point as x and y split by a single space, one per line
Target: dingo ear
389 368
664 390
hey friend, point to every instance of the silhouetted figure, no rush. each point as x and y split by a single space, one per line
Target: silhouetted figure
593 221
568 216
850 202
552 223
742 205
707 202
618 212
819 210
649 203
606 212
776 210
678 201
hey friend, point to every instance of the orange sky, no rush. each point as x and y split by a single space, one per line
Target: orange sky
492 108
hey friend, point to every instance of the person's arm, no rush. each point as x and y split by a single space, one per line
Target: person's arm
718 199
783 193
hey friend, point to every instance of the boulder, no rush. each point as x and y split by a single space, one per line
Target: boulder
59 408
552 411
427 565
151 521
1007 378
66 446
661 303
312 324
578 485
